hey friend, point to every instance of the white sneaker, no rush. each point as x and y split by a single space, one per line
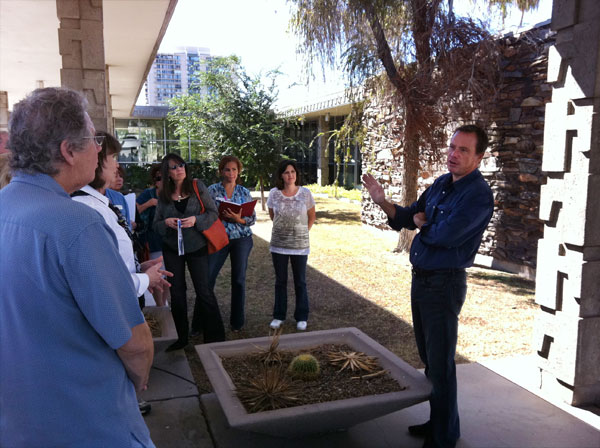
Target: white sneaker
275 324
301 325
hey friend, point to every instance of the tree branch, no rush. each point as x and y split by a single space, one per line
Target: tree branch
383 49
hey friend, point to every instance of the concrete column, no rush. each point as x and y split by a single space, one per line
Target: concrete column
110 125
3 110
81 45
322 153
567 327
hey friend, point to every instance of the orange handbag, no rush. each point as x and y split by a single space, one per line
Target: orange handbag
216 235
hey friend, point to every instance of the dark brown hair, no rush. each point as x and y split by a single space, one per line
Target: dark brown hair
121 171
110 147
482 138
228 159
154 169
281 169
168 186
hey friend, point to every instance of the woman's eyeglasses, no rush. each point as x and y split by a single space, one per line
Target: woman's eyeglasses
98 139
179 165
157 179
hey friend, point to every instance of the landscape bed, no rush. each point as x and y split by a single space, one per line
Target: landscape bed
319 417
332 382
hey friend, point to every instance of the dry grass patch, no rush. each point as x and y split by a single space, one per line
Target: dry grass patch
354 279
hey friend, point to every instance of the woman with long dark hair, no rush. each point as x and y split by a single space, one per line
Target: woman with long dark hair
179 206
292 210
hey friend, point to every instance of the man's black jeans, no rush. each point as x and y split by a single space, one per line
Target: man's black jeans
436 299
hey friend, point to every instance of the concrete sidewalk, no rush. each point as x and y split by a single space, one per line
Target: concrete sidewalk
176 419
495 412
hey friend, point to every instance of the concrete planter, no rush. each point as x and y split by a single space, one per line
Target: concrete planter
163 316
316 418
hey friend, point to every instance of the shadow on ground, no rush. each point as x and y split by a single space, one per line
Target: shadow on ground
518 285
332 305
339 217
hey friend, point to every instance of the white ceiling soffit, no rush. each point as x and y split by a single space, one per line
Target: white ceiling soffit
29 55
133 31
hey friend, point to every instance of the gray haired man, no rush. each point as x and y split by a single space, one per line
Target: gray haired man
74 346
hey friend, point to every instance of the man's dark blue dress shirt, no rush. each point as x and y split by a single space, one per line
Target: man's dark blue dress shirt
457 214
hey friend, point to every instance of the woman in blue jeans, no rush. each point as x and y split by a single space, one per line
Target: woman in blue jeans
292 210
239 233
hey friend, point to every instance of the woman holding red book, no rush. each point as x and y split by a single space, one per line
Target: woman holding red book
239 233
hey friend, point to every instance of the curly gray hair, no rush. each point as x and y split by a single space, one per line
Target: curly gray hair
40 123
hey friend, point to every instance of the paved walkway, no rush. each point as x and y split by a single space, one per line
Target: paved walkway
495 412
497 408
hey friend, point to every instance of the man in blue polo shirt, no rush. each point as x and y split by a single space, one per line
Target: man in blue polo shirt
74 346
451 216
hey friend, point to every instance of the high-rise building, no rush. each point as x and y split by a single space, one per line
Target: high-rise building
174 74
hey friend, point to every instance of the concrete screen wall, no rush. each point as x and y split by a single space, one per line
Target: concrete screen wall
567 330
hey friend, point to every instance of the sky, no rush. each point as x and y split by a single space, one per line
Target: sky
257 31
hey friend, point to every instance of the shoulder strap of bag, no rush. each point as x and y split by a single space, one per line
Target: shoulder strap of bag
79 193
195 185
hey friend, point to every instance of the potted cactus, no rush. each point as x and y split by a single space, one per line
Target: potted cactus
304 367
270 402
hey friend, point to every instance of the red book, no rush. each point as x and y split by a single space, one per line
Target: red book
247 207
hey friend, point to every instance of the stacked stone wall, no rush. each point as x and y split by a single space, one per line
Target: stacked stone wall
513 162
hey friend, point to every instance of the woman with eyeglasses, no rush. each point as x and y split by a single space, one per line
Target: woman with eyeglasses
148 275
239 233
146 207
179 206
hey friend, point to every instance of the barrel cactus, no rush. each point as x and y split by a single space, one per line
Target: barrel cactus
304 367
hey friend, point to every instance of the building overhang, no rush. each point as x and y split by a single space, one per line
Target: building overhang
29 55
334 104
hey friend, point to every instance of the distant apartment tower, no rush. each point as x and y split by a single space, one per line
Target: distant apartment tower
173 74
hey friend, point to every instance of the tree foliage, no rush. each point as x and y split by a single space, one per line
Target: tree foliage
233 115
418 51
522 5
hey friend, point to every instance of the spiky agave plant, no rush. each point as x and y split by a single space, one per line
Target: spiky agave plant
270 390
353 361
271 354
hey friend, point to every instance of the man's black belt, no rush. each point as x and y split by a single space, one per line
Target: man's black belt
418 272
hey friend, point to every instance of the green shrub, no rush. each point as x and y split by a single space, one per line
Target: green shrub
204 172
137 178
304 367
